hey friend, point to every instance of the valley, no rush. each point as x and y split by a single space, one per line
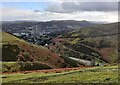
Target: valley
59 42
63 49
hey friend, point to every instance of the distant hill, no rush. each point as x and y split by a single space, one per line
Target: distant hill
97 30
63 24
42 32
83 23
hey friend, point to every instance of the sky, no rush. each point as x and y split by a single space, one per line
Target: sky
59 10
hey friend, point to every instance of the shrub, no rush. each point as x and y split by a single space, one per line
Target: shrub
33 66
9 52
10 67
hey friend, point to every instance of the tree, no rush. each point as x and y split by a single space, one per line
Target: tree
104 43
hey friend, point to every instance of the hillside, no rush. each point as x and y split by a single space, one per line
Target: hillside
95 31
98 44
15 49
88 46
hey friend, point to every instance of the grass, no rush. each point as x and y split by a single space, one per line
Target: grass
107 74
75 41
10 66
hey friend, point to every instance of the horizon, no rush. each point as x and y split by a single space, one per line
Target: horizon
47 11
102 22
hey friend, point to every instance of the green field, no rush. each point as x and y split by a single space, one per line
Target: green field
108 74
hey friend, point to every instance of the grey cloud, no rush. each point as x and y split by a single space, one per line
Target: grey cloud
36 10
69 7
57 8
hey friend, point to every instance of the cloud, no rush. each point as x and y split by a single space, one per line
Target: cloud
20 14
62 11
59 0
69 7
17 14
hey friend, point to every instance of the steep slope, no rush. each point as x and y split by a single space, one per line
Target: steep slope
15 49
98 43
103 38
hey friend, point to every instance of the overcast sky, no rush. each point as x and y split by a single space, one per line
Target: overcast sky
59 10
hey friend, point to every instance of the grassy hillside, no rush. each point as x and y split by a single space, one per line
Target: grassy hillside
98 43
107 74
15 49
94 31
